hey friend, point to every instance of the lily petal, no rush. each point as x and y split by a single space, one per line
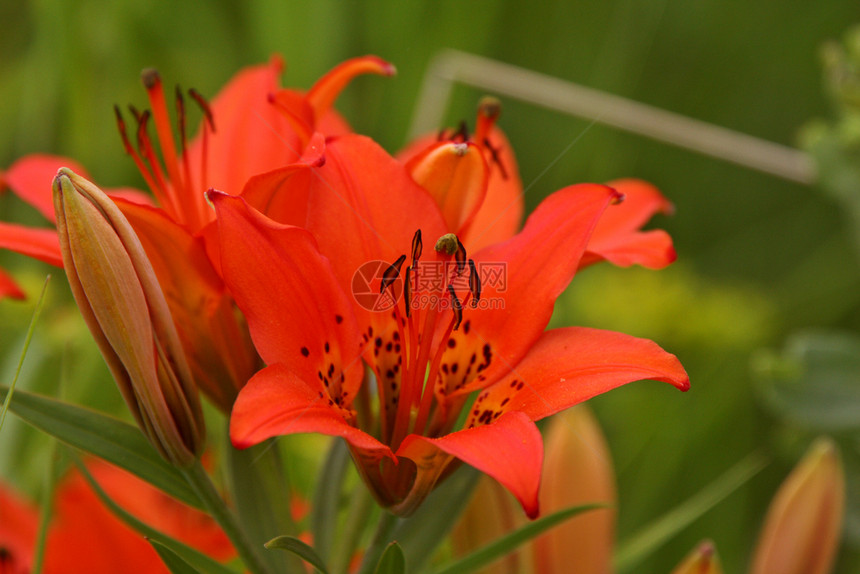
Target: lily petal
324 92
276 402
30 178
8 288
251 135
41 244
296 312
509 450
618 237
526 274
570 365
456 176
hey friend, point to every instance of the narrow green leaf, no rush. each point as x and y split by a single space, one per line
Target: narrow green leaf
326 496
192 557
257 484
509 542
632 551
103 436
420 534
39 304
300 549
174 563
392 561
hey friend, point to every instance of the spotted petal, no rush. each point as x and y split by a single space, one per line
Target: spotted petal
570 365
509 450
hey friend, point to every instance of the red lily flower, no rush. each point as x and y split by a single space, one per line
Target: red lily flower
251 109
79 518
362 206
475 181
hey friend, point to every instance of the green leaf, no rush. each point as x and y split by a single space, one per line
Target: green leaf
392 560
424 531
326 496
174 563
300 549
813 381
258 486
192 557
509 542
103 436
631 551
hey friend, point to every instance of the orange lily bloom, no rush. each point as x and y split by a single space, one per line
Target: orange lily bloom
252 110
448 337
79 518
476 184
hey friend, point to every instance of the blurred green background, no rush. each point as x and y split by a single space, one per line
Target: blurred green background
760 259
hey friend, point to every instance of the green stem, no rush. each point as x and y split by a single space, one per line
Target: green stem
381 538
199 480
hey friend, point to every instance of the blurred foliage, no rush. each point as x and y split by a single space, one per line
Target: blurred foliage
759 258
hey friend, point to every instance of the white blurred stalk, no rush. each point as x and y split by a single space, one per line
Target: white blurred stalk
450 67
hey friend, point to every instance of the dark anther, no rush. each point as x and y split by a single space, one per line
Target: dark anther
120 123
407 292
460 257
391 273
474 283
135 112
417 247
456 305
462 133
204 105
180 117
142 137
494 153
150 78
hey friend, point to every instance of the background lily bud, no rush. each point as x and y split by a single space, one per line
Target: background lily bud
492 512
702 560
116 289
803 524
577 470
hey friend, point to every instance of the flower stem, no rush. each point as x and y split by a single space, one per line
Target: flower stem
380 541
199 480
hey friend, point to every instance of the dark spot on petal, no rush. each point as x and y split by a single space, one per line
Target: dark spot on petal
305 352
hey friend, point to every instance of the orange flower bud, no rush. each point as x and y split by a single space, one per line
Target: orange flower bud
702 560
803 524
491 513
577 470
119 296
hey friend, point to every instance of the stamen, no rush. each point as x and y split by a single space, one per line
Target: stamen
447 244
180 118
407 291
417 247
144 147
204 107
155 90
391 273
129 149
494 155
474 283
457 306
460 258
462 133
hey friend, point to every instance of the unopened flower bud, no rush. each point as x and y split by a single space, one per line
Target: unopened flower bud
119 296
577 470
702 560
803 524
